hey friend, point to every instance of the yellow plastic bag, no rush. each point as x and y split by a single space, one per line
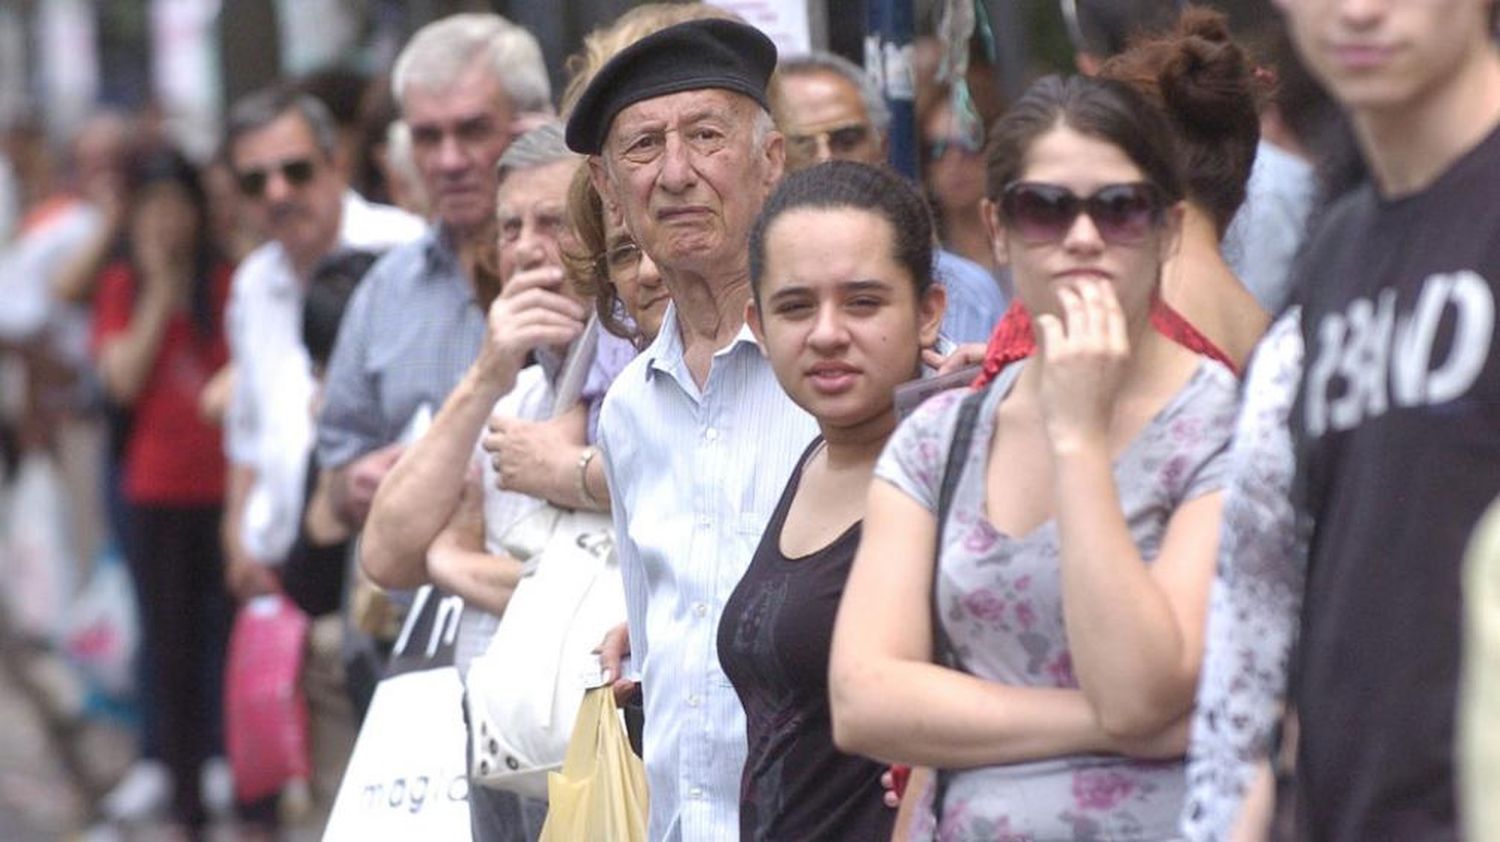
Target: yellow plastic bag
600 794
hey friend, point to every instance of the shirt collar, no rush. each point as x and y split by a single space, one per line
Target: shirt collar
665 353
287 282
551 363
440 249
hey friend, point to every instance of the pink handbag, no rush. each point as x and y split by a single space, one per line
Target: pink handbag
265 712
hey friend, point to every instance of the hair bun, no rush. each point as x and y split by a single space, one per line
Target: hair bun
1208 82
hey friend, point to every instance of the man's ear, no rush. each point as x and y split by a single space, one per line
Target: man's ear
775 152
999 247
603 185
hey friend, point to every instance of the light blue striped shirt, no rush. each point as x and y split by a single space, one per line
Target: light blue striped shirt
975 300
693 475
410 332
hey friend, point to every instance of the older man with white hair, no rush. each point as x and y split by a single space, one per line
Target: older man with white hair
465 85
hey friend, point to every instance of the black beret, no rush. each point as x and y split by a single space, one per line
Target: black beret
689 56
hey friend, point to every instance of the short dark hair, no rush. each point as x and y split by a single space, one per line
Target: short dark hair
255 111
1099 108
850 184
328 293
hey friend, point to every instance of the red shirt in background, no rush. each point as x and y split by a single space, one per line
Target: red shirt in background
173 456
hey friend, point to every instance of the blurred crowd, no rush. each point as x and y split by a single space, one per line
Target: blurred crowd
1181 555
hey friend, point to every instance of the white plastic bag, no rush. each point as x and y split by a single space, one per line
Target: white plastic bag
101 631
38 573
524 691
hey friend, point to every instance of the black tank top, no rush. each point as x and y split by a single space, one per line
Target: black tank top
774 640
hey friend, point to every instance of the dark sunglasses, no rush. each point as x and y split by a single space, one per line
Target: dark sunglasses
297 172
841 141
1124 214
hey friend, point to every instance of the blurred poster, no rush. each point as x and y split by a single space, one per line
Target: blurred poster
785 22
185 72
67 51
318 33
12 66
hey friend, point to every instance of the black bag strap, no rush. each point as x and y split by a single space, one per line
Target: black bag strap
958 453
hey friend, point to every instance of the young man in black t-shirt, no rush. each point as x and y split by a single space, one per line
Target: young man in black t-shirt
1397 421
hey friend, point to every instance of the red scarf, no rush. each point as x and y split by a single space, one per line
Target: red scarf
1013 339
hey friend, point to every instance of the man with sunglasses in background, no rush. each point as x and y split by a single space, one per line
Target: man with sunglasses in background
282 148
829 109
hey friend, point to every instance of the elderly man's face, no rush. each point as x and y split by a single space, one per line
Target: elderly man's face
689 176
458 132
825 119
292 190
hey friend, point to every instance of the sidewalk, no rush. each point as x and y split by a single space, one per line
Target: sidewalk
38 800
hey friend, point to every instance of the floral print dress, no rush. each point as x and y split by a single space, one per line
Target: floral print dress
1256 597
1001 603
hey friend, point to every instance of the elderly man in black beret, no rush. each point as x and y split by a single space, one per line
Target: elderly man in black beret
698 439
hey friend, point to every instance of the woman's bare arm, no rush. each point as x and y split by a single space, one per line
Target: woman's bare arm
458 563
890 702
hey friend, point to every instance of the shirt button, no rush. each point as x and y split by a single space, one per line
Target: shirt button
695 792
693 700
700 609
705 522
711 434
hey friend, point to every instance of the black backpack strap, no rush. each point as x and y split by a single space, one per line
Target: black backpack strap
958 453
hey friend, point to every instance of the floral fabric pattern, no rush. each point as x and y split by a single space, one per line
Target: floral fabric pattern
1256 596
1001 604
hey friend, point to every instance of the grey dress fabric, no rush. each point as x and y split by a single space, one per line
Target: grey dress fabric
1002 608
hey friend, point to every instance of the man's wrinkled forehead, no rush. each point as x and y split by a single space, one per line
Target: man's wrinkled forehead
687 108
819 99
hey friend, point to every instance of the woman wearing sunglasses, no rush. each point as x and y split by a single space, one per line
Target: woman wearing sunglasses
1206 87
1073 556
